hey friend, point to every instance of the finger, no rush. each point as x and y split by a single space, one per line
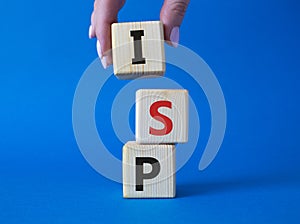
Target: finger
103 34
171 15
105 13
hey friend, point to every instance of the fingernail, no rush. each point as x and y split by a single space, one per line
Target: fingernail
106 61
90 31
99 49
174 36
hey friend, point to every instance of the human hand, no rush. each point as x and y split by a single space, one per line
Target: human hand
106 12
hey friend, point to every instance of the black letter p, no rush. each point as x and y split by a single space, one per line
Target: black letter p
140 175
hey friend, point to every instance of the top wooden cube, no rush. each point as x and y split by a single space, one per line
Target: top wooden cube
138 49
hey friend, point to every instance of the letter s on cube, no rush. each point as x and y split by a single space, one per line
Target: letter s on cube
161 116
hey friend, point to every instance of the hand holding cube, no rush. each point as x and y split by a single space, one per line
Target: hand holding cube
106 13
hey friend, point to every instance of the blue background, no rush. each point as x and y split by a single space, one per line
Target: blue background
253 48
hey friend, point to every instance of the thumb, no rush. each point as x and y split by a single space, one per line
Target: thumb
171 15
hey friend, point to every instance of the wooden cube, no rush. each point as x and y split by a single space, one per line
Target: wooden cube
138 49
148 171
161 116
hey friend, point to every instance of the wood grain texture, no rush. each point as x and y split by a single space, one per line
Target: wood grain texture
161 186
152 43
178 115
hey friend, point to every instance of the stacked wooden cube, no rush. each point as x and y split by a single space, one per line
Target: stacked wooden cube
161 114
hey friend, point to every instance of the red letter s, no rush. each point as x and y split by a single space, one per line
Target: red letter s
162 118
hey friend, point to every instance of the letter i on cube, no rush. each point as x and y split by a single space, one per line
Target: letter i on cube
138 49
